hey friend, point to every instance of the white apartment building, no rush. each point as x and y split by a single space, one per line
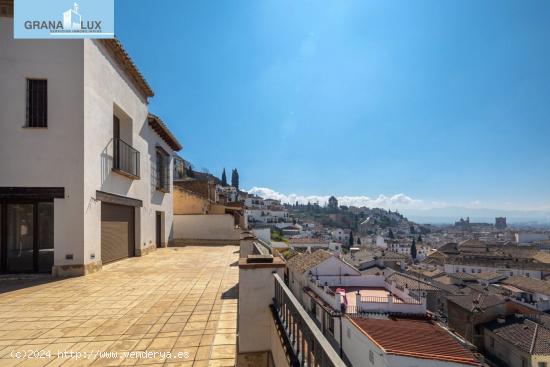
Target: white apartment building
369 320
473 268
404 248
254 202
340 235
85 167
231 193
266 216
527 238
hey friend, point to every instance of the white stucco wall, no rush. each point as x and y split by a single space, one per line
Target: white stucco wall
334 266
108 92
263 234
473 269
52 156
358 348
75 150
256 290
205 227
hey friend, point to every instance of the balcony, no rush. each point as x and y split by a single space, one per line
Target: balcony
274 328
125 159
365 294
304 344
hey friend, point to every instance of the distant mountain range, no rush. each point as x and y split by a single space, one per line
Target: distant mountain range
453 213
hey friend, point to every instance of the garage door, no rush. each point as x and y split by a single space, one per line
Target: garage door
117 232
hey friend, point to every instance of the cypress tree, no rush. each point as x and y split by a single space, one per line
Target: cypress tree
235 178
413 249
224 178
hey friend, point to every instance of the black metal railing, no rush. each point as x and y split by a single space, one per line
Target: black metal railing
125 158
304 343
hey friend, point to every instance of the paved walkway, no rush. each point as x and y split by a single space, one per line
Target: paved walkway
177 300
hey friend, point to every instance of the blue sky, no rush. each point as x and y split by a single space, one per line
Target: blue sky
445 102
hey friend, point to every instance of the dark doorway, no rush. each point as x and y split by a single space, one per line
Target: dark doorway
26 236
159 229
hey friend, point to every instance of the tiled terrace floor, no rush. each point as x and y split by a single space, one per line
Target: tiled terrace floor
177 300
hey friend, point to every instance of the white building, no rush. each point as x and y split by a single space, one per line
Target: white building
534 293
380 242
265 216
404 248
340 235
508 270
312 244
230 193
374 322
254 202
85 168
527 238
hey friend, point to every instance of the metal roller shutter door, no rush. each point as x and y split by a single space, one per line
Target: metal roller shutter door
117 232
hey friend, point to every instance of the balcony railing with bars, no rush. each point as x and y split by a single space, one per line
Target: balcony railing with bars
304 343
125 159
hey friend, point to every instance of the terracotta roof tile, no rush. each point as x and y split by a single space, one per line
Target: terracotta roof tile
529 284
477 300
306 241
410 282
125 62
417 338
488 275
527 335
162 130
303 262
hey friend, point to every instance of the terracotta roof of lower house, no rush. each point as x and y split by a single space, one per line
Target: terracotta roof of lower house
416 338
306 241
125 62
375 270
489 275
427 273
477 301
463 276
410 282
526 334
529 284
303 262
162 130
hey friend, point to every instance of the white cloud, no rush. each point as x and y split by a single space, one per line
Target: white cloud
382 201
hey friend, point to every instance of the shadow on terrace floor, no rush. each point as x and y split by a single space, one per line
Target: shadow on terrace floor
13 282
231 293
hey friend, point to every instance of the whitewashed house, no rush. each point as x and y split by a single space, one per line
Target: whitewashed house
85 167
368 319
340 235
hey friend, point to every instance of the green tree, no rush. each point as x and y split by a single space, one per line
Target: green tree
224 178
419 238
413 249
235 178
351 239
390 234
358 240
